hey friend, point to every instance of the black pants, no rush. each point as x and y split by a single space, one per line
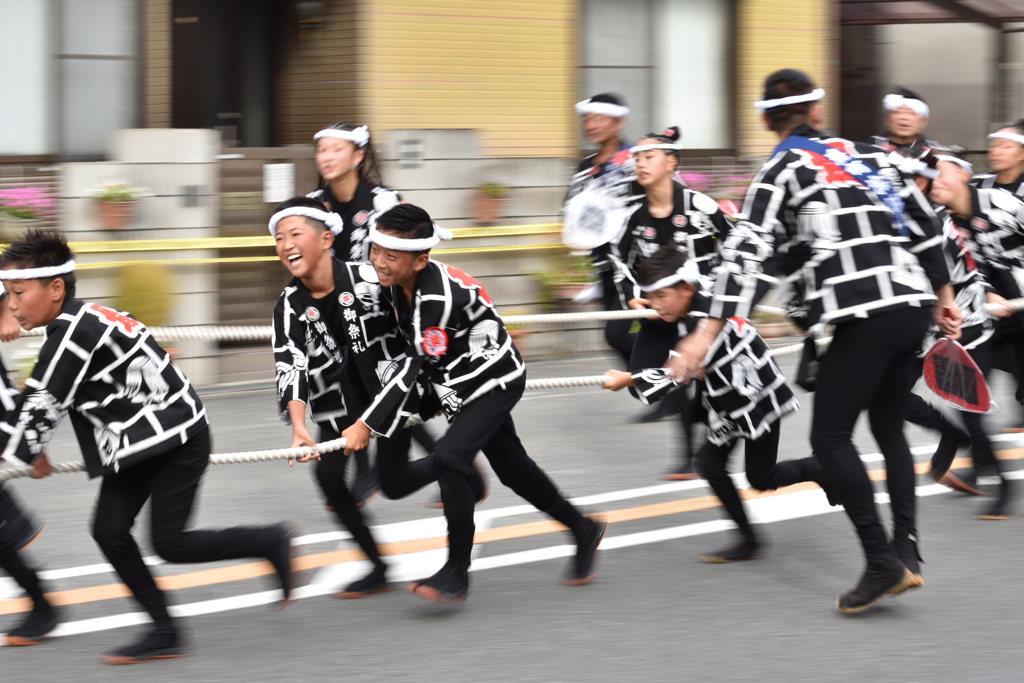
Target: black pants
486 425
1008 349
616 332
171 480
398 478
653 343
923 414
764 473
871 366
13 523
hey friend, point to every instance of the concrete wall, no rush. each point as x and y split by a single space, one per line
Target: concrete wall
26 78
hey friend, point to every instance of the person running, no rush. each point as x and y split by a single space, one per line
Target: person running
140 425
352 188
906 117
691 222
459 360
611 170
334 342
743 390
841 249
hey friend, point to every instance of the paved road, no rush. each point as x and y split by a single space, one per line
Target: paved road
655 613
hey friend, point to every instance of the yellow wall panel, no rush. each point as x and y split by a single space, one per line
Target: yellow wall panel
505 67
776 34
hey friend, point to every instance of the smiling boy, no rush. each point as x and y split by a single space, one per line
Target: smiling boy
140 426
458 349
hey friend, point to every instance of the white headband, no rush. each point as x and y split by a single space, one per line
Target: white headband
892 102
764 105
966 165
660 145
688 272
1003 135
587 106
37 273
331 220
360 136
402 244
912 166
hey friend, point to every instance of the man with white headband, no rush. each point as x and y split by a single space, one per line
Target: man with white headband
610 171
834 222
743 390
140 426
906 117
1005 161
460 360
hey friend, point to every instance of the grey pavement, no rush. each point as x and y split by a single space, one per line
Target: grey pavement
654 613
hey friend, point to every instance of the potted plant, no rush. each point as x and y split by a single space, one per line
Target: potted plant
116 203
568 276
24 207
488 201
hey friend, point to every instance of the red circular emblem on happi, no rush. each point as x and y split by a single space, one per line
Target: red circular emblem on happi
360 218
435 341
649 233
312 314
346 299
679 220
979 223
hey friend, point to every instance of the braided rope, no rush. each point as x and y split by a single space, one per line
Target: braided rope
216 459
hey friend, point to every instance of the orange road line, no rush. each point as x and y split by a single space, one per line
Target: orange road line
254 570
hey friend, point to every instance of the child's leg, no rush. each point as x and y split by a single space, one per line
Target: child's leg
713 460
398 476
765 473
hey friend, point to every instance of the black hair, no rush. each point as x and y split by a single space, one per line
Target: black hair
785 83
41 248
408 221
305 203
906 93
666 137
1017 125
662 263
609 98
369 169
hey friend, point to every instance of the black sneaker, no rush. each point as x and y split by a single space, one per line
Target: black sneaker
875 585
583 567
157 644
374 582
18 526
683 472
910 556
999 508
449 586
33 631
280 555
745 550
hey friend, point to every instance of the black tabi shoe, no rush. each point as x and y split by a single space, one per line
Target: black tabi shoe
18 527
280 555
33 631
374 582
583 567
964 484
449 586
999 508
157 644
875 585
745 550
910 556
684 472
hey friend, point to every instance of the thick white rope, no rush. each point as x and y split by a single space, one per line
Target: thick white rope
216 459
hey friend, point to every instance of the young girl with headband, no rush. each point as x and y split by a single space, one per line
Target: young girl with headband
669 214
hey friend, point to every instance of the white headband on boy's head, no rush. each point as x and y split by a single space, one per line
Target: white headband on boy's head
360 136
966 165
588 106
37 273
1006 135
331 220
892 102
764 105
688 272
402 244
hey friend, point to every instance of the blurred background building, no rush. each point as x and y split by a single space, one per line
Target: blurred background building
211 106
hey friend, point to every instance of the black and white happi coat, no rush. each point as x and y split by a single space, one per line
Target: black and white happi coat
830 241
357 217
886 143
743 390
696 226
128 402
987 181
456 346
335 371
997 228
